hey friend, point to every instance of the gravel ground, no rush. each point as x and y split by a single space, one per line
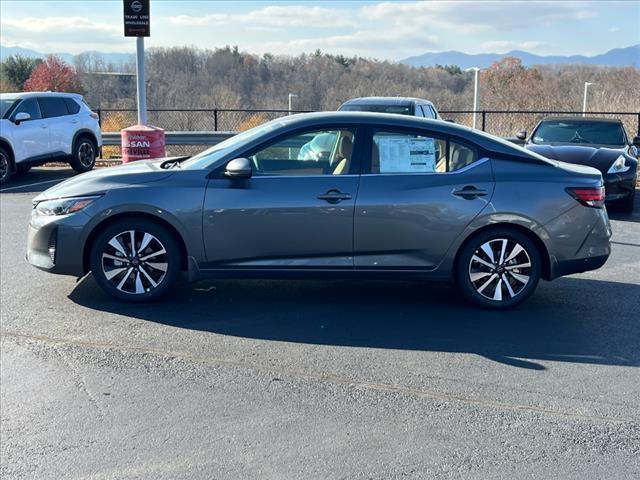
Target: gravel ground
310 379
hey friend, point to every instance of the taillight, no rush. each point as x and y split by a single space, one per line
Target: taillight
588 196
94 116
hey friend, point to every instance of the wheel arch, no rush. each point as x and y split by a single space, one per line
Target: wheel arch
535 238
86 253
84 132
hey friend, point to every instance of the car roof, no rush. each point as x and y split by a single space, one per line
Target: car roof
21 95
400 101
580 118
335 118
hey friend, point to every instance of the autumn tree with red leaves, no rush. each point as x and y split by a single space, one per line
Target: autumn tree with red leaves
54 74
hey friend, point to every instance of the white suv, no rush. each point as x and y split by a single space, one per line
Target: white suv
41 127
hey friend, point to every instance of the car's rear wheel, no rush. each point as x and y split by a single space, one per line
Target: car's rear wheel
5 166
498 268
84 155
135 260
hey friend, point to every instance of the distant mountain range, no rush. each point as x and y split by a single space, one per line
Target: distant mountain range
115 58
618 57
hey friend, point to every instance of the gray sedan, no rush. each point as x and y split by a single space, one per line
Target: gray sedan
388 196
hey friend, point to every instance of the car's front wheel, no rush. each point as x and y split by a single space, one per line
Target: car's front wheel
136 260
498 268
5 166
83 157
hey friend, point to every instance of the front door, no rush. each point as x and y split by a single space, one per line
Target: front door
296 210
417 195
30 137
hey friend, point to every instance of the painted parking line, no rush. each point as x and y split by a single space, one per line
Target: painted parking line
17 187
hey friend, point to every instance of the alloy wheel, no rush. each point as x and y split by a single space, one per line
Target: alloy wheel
135 262
4 166
500 269
86 154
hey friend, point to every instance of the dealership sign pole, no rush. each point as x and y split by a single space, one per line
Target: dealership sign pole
137 24
140 141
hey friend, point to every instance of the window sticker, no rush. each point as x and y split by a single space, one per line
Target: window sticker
401 154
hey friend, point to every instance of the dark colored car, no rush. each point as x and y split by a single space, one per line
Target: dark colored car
597 142
390 196
416 107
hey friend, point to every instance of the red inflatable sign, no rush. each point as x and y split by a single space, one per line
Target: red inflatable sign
141 142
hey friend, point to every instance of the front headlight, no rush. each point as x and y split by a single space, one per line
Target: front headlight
63 206
619 166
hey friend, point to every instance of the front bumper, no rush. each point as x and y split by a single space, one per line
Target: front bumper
619 186
54 243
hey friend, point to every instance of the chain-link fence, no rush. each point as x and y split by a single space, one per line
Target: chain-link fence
497 122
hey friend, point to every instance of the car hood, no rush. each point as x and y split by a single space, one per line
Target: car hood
102 180
600 158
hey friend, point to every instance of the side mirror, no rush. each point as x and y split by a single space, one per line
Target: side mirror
636 141
521 135
238 168
21 117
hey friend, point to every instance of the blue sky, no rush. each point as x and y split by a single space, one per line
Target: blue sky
386 30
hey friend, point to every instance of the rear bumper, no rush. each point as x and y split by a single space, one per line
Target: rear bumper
568 267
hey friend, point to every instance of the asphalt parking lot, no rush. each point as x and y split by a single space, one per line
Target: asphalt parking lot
316 379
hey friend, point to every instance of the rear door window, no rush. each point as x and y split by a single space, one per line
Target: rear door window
72 106
53 107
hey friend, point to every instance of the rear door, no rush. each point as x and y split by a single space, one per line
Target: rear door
295 212
417 193
62 125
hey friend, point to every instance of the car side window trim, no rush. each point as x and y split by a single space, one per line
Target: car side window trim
356 159
481 154
17 109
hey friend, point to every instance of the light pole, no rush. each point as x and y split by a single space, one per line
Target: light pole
291 96
476 93
141 95
584 99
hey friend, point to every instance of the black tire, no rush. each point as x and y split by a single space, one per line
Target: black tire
20 168
85 152
125 274
500 275
5 166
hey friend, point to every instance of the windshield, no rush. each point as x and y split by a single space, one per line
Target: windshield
579 131
398 109
6 104
216 152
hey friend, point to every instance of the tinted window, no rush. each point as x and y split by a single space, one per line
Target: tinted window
326 152
403 153
53 107
428 113
577 131
30 106
399 109
6 106
72 106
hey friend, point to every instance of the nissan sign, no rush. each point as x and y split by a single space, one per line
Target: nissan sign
136 18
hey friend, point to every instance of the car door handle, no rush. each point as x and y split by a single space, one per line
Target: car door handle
470 192
334 196
43 126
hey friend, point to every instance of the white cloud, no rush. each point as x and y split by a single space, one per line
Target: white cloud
272 16
501 46
474 17
72 34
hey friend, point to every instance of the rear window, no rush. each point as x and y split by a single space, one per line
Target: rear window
53 107
575 131
398 109
72 106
